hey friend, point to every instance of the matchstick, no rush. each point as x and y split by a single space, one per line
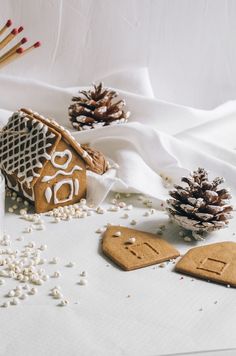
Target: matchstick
17 54
5 27
20 29
13 49
8 38
29 49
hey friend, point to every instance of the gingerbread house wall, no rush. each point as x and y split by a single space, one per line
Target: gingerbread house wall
63 179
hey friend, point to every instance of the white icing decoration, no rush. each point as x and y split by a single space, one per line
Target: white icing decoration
62 154
76 182
18 186
30 197
58 185
10 185
47 178
48 194
22 154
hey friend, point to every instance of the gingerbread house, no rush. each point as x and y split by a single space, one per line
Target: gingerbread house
42 161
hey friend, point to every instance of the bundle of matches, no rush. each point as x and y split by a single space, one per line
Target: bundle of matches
16 51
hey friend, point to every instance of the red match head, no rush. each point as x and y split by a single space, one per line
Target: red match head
9 23
20 50
14 31
37 44
24 40
20 29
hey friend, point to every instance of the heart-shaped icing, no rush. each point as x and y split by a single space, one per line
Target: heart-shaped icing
62 154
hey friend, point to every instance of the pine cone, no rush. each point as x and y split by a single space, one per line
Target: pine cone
201 206
100 164
96 108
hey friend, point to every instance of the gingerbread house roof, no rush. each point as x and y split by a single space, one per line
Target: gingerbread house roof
28 141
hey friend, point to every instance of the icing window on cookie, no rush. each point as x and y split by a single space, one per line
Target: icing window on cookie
143 250
48 194
61 155
48 178
57 189
76 183
212 265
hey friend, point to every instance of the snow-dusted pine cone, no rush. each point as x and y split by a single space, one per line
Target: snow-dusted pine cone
96 108
200 206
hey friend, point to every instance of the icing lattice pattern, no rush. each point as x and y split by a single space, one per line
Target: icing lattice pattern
24 151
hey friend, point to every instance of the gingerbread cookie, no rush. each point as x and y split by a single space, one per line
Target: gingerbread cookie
42 161
132 249
215 262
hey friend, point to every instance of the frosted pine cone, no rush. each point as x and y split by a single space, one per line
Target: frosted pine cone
200 206
96 108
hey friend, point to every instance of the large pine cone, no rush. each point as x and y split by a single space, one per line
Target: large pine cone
96 108
201 206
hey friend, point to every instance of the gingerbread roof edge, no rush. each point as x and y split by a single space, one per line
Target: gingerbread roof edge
51 123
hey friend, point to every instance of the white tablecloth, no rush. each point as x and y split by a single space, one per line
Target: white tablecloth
145 312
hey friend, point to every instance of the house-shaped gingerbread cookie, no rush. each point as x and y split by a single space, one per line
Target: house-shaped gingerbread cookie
42 161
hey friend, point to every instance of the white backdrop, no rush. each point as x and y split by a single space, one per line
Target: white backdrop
187 45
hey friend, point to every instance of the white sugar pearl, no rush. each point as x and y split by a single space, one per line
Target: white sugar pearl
17 293
71 264
29 229
57 220
56 274
15 206
33 291
10 210
122 204
83 274
23 212
63 303
133 222
54 260
45 277
23 296
187 239
57 294
117 234
42 261
20 238
2 281
31 244
147 213
39 282
15 301
99 231
83 282
26 203
43 247
100 210
11 293
131 240
125 216
129 207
